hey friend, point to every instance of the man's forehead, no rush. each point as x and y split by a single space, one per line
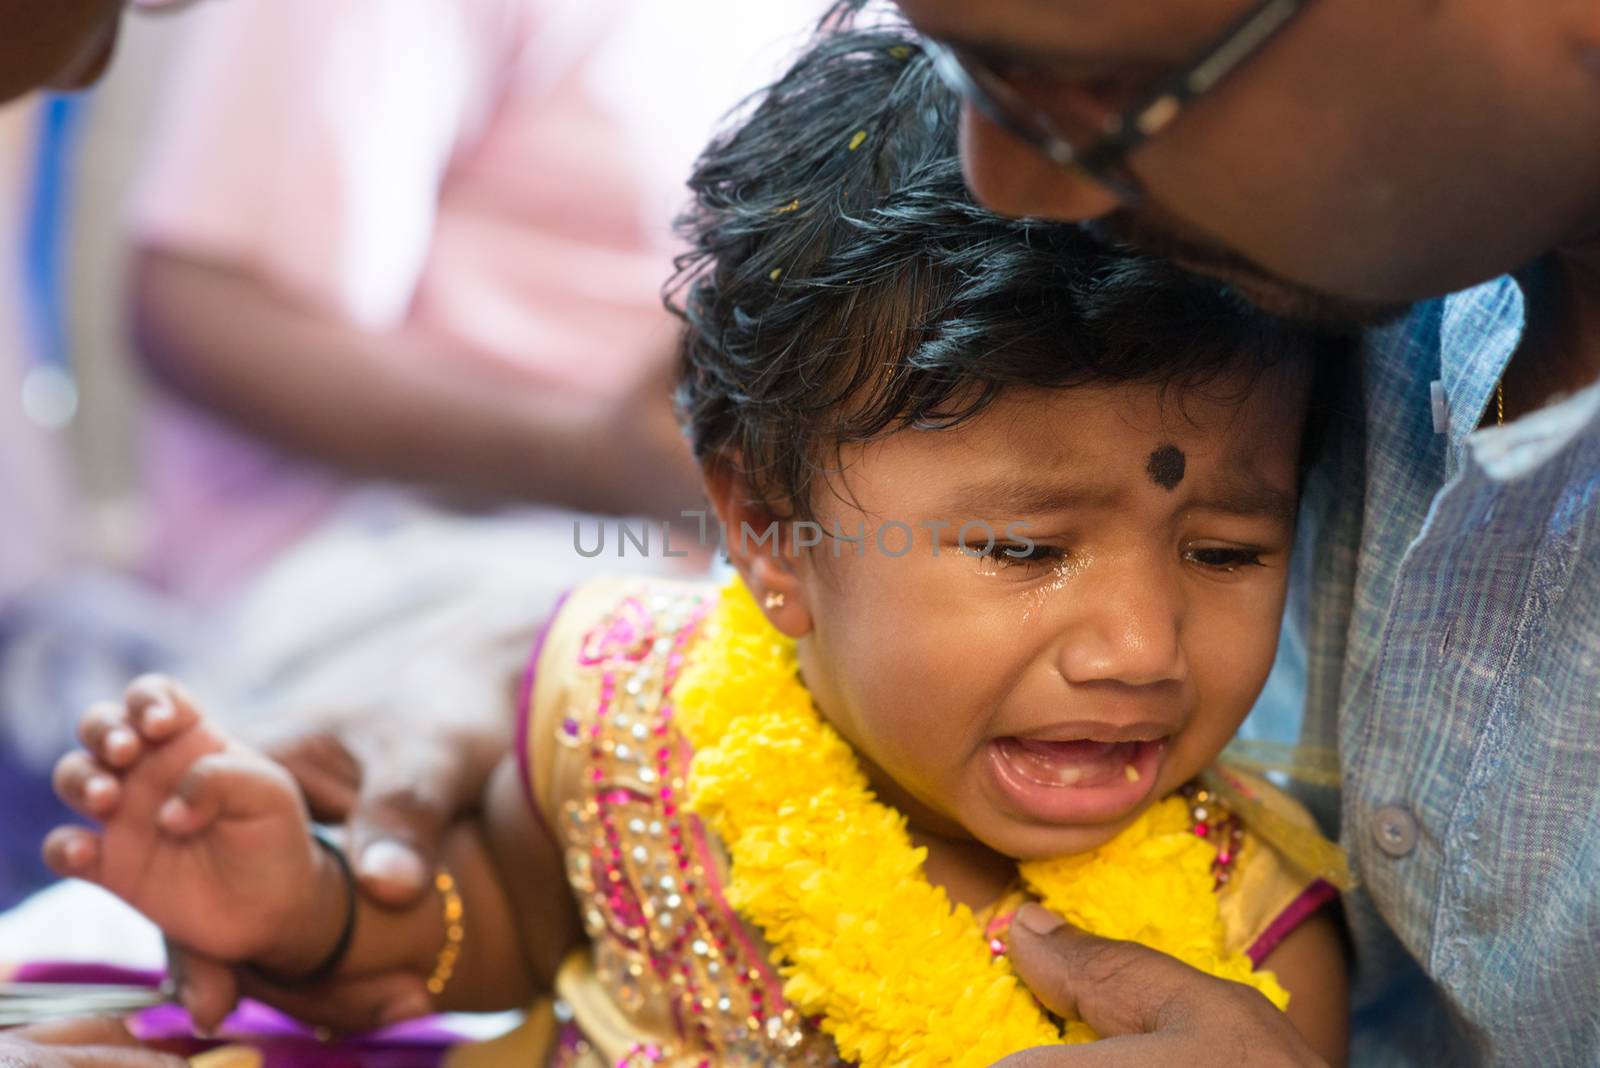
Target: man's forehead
1131 29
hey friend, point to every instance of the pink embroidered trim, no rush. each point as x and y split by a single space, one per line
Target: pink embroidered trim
730 917
628 637
1302 908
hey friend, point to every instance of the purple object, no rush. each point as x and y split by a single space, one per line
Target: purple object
284 1042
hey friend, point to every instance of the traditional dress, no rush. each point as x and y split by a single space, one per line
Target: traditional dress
672 974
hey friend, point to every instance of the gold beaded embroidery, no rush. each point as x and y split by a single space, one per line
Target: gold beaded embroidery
646 876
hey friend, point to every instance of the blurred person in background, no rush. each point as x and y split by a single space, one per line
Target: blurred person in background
423 243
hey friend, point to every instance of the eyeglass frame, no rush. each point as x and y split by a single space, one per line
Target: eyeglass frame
1104 160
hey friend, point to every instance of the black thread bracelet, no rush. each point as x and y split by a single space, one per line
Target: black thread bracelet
347 931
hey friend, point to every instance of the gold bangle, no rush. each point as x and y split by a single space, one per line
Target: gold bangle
454 932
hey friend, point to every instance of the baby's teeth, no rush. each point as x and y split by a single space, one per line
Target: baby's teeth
1131 772
1068 776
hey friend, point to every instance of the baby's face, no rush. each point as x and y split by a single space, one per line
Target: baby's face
1039 704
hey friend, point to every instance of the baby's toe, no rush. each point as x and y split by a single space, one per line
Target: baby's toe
238 784
106 734
160 708
73 853
86 786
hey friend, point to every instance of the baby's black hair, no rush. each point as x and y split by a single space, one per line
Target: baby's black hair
841 282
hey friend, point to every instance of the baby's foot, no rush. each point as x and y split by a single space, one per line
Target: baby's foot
204 836
135 753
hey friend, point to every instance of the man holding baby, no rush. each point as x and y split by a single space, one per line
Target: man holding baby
1352 162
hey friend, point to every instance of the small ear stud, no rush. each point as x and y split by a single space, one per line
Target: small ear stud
773 600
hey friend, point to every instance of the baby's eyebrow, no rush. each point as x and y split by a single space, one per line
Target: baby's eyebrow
1245 496
1235 493
1028 496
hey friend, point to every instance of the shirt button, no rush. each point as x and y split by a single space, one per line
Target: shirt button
1395 829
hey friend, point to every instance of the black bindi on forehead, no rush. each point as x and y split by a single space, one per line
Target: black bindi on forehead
1166 466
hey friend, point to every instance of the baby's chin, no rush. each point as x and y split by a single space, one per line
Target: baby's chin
1028 841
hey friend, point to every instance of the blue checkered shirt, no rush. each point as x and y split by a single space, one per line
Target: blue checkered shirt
1448 616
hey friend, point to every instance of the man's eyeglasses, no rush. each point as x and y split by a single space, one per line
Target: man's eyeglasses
1096 146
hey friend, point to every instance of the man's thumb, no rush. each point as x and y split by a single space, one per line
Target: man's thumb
1117 988
395 838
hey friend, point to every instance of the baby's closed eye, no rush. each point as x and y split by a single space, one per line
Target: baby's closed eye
1014 553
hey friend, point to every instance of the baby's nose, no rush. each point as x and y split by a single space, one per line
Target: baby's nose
1128 632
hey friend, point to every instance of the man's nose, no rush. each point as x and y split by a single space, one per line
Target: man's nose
1011 177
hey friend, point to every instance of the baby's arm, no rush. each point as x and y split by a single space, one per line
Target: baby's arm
1310 963
211 841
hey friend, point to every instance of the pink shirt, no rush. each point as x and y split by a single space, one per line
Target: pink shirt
502 173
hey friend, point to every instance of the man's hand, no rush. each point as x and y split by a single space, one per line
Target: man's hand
210 990
397 782
79 1044
1150 1009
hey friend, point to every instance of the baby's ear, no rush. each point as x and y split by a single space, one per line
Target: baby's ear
758 542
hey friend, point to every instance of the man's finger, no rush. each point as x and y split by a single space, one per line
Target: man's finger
120 1057
328 797
1150 1009
396 832
207 989
1129 1051
328 774
397 784
347 1005
1117 988
98 1031
412 790
90 1043
394 793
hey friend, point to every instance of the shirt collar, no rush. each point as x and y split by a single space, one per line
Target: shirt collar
1479 330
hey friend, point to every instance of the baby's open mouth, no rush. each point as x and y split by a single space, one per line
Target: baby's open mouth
1076 780
1081 764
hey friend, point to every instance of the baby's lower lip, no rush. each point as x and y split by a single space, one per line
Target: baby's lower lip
1076 781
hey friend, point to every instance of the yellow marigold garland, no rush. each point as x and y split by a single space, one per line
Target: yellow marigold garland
899 976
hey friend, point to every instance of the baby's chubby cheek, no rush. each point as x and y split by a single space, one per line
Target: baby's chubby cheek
1221 709
898 711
